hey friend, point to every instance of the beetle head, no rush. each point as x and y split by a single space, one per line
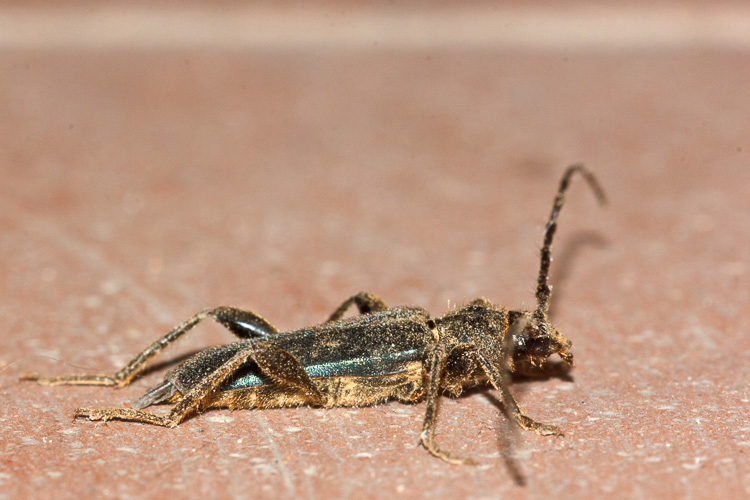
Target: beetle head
534 339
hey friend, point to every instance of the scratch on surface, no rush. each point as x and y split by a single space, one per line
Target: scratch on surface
231 490
346 486
302 465
286 476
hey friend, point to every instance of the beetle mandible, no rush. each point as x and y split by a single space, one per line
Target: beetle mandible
384 353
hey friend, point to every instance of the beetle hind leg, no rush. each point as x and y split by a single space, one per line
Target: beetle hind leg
244 324
123 414
191 401
273 361
86 379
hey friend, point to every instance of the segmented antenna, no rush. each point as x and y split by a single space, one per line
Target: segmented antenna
543 290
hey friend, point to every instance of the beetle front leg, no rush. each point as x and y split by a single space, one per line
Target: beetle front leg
510 403
437 361
366 303
244 324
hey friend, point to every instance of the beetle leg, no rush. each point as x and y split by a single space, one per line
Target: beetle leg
460 368
366 303
427 437
244 324
510 403
183 407
274 362
284 368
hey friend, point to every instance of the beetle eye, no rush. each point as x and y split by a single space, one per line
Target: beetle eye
519 341
538 346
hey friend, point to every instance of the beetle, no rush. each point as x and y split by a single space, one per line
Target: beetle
383 353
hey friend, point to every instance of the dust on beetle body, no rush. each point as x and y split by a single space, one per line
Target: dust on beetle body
384 353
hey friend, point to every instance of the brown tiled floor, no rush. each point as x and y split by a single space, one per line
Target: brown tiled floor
140 185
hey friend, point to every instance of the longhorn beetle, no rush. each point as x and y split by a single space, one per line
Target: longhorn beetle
384 353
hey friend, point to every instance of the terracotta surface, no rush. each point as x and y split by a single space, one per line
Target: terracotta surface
141 185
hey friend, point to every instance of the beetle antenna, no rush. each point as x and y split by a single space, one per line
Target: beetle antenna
543 290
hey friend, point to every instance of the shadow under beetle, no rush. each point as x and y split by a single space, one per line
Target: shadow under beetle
384 353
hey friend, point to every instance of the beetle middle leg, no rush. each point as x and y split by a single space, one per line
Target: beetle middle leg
244 324
273 361
366 303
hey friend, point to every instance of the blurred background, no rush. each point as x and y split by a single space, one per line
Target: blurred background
158 158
